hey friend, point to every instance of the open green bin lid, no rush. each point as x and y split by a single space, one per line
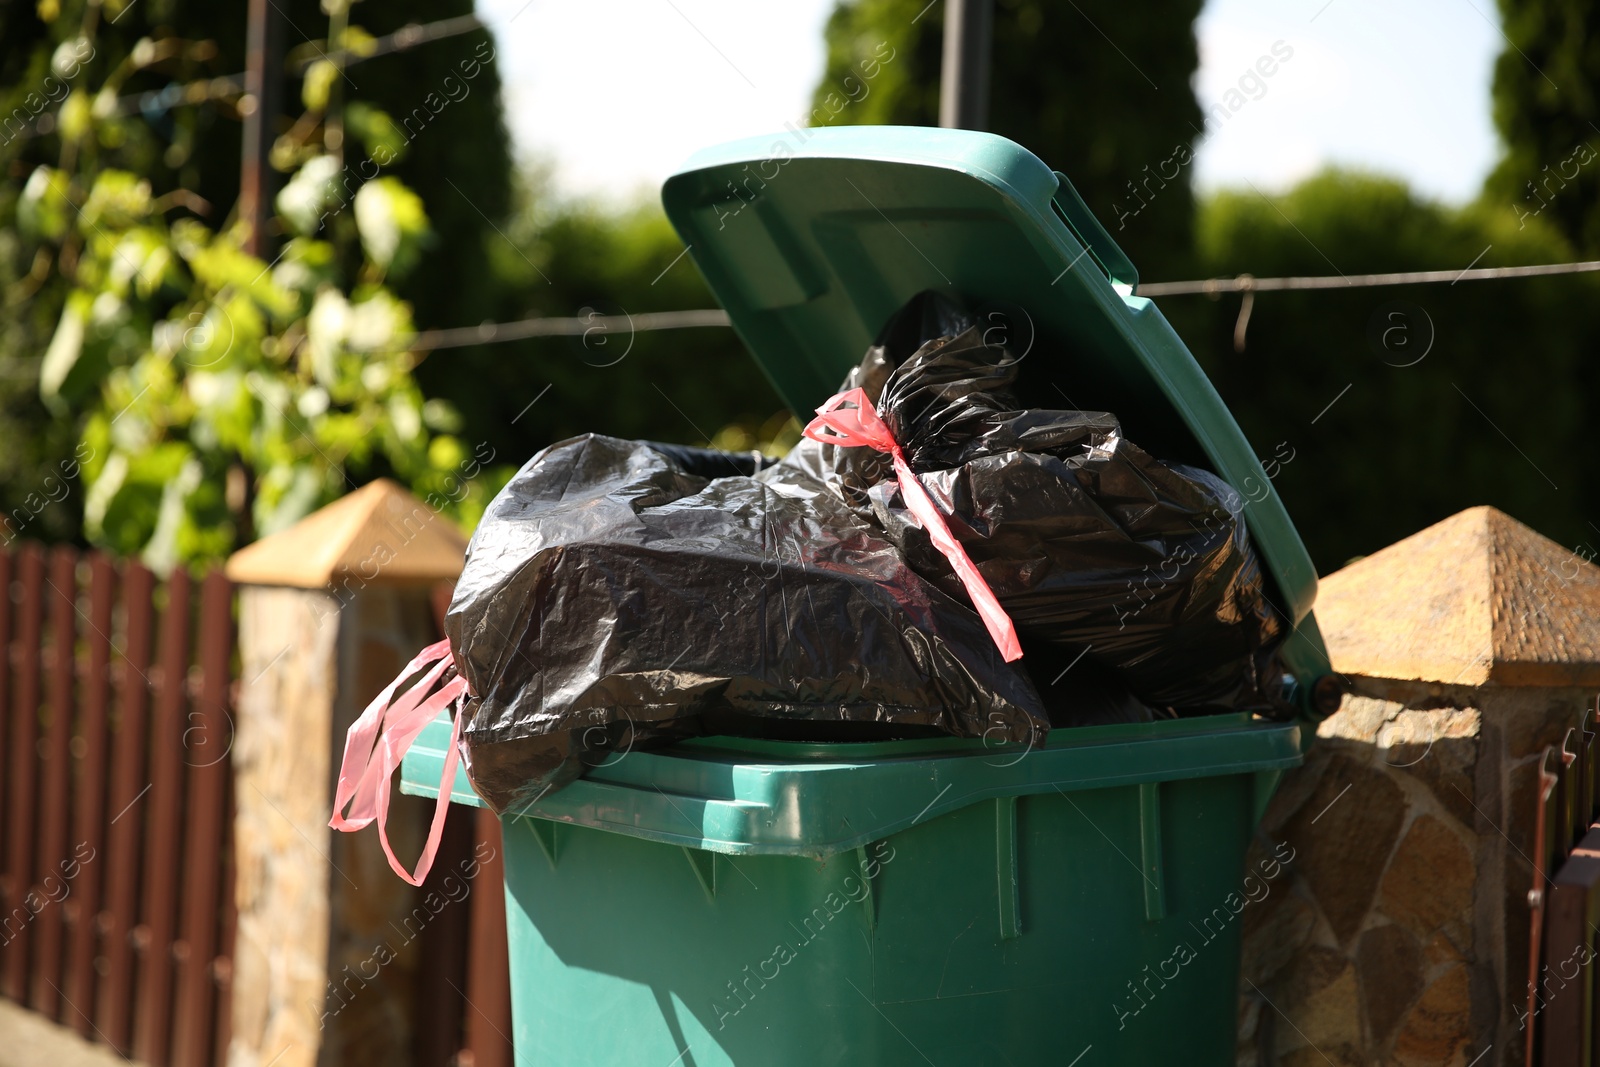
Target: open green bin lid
811 239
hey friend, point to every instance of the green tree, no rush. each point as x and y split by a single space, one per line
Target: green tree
444 100
1387 433
1547 110
175 141
225 394
570 257
1097 95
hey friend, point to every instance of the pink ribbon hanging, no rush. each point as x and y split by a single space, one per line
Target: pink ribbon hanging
839 423
386 730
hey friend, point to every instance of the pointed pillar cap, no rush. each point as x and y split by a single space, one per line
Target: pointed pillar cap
378 534
1478 599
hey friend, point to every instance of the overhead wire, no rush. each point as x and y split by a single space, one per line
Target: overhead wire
1249 284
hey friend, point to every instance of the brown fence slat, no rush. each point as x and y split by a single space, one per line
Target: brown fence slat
222 969
206 742
488 992
1567 1012
443 945
115 835
158 907
89 826
1583 773
56 781
1545 861
126 803
23 771
7 572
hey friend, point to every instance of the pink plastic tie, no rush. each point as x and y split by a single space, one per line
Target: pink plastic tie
387 729
839 423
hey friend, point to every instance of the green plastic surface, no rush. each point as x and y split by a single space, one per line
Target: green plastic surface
813 238
782 798
971 906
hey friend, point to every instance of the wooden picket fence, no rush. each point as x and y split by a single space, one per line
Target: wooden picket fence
115 858
116 814
1563 998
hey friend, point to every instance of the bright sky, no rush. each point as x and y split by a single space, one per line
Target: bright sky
617 93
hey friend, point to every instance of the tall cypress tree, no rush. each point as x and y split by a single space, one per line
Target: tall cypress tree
1547 109
1099 96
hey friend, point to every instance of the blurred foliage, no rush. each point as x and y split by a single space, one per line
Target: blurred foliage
444 96
442 99
774 437
432 118
579 258
223 394
1548 115
1113 117
1492 413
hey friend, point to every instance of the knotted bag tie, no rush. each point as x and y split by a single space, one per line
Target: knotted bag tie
850 420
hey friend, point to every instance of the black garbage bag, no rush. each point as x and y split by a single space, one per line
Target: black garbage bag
611 599
1092 546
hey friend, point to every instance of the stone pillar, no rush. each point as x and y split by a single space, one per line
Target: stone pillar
1401 934
329 611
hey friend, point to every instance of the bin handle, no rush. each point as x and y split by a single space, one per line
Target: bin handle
1110 258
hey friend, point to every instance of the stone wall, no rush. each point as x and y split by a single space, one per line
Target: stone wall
280 801
1401 934
311 985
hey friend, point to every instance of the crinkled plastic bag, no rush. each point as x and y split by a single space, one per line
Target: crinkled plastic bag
1092 546
612 598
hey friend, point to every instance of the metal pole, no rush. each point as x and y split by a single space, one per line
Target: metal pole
263 86
258 184
964 78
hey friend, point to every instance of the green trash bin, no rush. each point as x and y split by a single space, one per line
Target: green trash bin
944 902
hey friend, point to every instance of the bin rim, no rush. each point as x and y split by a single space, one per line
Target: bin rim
739 797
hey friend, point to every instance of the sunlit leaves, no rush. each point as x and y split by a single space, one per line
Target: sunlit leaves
392 223
319 79
44 209
74 118
358 41
65 346
307 196
117 199
192 357
384 141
